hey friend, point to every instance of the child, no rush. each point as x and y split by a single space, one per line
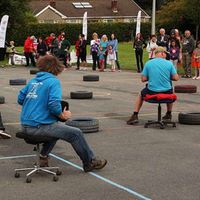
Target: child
196 61
151 47
174 51
111 57
101 55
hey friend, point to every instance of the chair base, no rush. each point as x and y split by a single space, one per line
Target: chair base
162 124
37 169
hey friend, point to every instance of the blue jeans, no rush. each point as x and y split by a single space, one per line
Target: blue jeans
61 131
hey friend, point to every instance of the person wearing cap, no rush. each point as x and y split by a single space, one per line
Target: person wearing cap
159 73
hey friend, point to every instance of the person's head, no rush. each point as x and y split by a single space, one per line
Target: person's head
40 39
139 35
83 36
187 33
79 37
160 52
95 36
12 43
104 38
53 35
198 44
153 38
112 36
176 32
62 33
32 38
62 37
110 47
173 43
51 64
162 31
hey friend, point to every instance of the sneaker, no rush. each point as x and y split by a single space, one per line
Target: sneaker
44 161
184 76
167 117
4 135
198 77
95 164
133 120
194 78
188 76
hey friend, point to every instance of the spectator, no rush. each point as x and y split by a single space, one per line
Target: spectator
196 61
94 45
41 47
151 46
101 55
138 45
114 43
29 50
174 52
159 73
61 35
11 51
187 49
54 45
111 57
163 39
104 45
48 41
39 115
63 51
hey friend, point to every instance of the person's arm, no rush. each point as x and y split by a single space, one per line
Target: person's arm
22 95
175 77
144 79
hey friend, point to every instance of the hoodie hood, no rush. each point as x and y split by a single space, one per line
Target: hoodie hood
41 76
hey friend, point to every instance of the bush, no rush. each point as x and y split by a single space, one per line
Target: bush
123 31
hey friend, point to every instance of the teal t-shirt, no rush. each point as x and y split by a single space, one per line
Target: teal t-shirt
159 72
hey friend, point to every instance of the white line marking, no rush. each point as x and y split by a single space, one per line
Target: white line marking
103 179
14 157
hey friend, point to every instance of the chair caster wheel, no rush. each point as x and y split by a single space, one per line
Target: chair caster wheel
58 172
17 175
28 180
145 126
55 178
162 127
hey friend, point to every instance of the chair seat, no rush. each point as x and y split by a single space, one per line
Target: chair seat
31 139
160 98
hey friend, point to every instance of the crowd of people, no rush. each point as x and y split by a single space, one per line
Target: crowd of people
180 49
101 50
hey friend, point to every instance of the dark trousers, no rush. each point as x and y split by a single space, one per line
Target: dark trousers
31 56
95 59
1 124
139 59
78 62
117 60
105 60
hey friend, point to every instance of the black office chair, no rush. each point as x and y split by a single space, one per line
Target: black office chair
36 140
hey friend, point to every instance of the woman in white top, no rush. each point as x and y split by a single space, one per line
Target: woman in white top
151 47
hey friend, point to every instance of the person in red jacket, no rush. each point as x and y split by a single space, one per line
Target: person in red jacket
29 50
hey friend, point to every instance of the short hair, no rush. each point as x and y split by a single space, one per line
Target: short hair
51 64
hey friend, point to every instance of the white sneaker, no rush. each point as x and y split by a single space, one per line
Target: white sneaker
4 135
194 78
198 77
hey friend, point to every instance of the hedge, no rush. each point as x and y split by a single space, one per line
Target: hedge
123 31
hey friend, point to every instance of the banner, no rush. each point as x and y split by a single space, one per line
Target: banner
3 28
84 31
138 23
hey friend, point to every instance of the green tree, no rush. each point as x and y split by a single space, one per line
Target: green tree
182 14
18 11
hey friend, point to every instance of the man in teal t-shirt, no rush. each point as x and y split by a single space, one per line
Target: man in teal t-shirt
159 73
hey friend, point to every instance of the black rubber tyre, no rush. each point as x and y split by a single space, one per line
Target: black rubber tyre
91 78
18 82
189 118
34 71
185 89
81 95
58 172
87 125
55 178
2 100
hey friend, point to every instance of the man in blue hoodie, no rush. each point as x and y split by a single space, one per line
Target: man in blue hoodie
41 107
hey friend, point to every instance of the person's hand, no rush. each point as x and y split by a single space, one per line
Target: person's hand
66 114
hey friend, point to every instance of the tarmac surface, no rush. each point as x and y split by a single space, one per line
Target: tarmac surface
143 163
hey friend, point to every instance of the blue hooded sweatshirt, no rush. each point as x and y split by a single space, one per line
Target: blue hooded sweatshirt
40 100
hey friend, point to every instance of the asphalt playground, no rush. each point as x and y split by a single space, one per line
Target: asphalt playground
143 163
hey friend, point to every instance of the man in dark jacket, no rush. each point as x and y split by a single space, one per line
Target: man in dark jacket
188 45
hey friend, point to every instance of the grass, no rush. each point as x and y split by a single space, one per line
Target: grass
126 56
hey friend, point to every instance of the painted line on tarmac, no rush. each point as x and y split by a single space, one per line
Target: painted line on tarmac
141 197
14 157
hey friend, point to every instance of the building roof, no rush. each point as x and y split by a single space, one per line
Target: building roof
100 8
